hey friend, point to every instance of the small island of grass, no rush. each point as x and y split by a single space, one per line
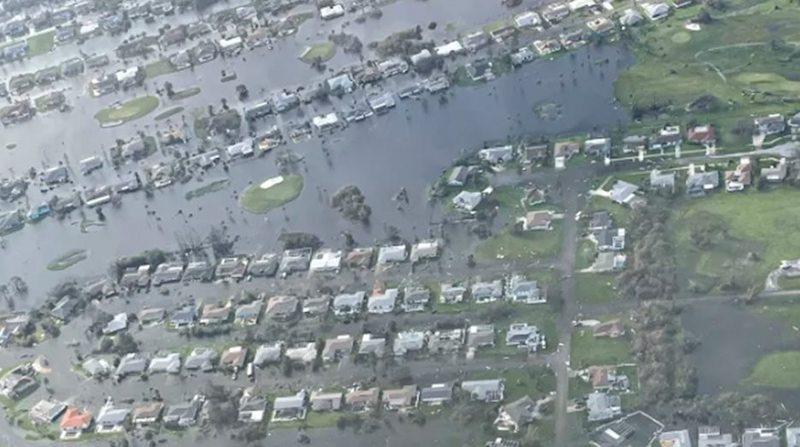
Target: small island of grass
319 52
272 193
127 111
67 260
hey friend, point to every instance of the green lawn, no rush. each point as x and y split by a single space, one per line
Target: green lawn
127 111
314 419
778 370
259 200
528 245
322 52
746 58
787 311
168 113
67 260
587 350
595 287
158 68
534 381
586 254
41 43
754 243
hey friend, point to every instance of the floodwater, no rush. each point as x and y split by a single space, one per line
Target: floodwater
733 339
408 147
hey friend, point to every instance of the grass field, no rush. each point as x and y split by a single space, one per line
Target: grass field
754 244
41 43
158 68
536 382
521 246
588 350
777 370
747 58
595 288
586 253
323 52
127 111
259 200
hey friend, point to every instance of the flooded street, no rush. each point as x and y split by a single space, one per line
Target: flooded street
408 147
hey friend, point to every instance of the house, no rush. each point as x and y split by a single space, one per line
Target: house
655 11
326 122
522 56
341 84
525 336
111 419
266 265
233 267
667 137
475 41
233 357
602 26
446 341
372 346
480 336
527 19
362 400
117 324
382 303
269 353
712 437
770 124
623 193
184 317
698 182
537 220
201 358
348 304
609 329
436 394
242 149
252 407
452 294
321 401
167 272
662 180
359 257
555 12
303 353
400 398
18 383
453 47
775 173
634 143
247 314
705 135
602 406
677 438
392 253
487 292
497 155
600 220
46 411
514 415
460 175
289 408
146 414
609 239
761 437
55 175
408 341
740 177
331 12
605 378
74 423
95 367
131 364
326 261
135 277
64 308
215 314
284 101
184 414
521 290
169 363
426 249
564 150
467 200
381 102
484 390
198 270
597 147
630 17
294 260
337 348
415 299
282 307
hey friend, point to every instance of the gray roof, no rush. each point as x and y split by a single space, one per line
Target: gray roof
437 392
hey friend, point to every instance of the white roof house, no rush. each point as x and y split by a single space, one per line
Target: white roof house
527 19
391 253
655 11
331 12
449 48
326 261
382 303
327 121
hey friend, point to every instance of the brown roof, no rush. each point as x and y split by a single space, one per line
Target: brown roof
75 419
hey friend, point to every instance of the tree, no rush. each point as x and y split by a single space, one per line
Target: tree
169 89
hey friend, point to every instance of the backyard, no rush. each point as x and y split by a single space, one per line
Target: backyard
587 350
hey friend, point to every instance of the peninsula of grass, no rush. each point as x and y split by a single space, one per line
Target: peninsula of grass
186 93
168 113
127 111
214 186
318 52
777 370
271 194
67 260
